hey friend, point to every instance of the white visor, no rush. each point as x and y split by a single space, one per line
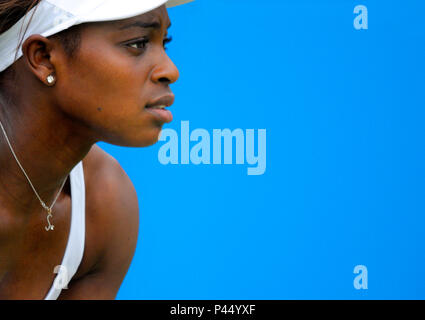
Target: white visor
53 16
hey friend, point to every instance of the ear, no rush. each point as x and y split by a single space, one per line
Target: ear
37 55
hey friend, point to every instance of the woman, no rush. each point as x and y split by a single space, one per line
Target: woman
73 73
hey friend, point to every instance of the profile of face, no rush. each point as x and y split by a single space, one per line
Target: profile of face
119 77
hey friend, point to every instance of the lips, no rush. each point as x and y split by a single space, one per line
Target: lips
164 101
157 108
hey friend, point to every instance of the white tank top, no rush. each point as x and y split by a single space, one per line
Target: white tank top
75 246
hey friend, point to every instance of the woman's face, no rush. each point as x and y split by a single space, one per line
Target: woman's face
120 70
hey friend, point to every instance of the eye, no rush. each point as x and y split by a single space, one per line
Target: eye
140 45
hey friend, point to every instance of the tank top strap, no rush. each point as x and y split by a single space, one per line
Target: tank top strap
75 246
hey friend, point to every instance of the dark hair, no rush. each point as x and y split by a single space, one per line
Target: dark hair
13 10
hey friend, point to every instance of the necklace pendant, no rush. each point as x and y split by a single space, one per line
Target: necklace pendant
50 226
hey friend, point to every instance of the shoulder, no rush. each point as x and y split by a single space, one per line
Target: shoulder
111 196
112 221
106 181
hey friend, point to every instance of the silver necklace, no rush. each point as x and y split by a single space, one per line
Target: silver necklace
50 226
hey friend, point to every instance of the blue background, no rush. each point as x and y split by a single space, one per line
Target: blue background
344 111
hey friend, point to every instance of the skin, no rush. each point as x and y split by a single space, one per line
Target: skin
100 95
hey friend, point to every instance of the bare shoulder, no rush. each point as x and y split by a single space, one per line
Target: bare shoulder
112 221
111 195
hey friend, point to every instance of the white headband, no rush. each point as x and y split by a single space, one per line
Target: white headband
53 16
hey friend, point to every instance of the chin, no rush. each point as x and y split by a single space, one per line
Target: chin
145 138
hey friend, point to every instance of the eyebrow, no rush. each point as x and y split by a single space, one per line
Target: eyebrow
144 25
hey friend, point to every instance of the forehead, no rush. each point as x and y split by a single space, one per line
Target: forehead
159 15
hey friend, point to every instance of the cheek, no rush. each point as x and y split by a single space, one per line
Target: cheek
107 93
109 82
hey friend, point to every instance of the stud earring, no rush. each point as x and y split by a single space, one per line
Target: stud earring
51 79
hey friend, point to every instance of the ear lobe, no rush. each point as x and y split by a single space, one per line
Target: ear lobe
36 53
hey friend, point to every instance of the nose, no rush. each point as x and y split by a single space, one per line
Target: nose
165 71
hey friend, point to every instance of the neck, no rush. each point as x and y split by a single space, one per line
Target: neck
47 143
